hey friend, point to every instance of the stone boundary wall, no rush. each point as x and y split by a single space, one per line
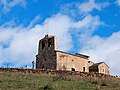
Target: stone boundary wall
55 73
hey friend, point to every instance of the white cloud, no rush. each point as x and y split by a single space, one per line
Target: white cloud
34 21
7 5
9 24
118 2
76 8
88 23
89 6
86 27
105 49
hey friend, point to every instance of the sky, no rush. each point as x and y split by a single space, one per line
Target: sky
90 27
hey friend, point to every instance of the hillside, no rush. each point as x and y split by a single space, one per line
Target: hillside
32 81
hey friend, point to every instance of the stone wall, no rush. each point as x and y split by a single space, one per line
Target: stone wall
75 74
103 68
46 58
71 62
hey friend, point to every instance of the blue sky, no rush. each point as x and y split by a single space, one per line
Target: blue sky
90 27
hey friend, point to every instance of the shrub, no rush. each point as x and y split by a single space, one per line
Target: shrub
103 84
94 82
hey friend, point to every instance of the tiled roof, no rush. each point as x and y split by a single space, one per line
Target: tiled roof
78 55
97 64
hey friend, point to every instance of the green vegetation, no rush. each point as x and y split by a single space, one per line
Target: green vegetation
22 81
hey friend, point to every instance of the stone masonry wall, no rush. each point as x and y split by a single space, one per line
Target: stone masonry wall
46 58
103 69
67 62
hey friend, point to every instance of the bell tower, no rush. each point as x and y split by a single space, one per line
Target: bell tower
48 42
45 59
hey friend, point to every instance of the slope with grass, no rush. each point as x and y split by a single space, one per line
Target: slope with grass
23 81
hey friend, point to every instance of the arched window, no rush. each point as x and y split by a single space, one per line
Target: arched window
49 43
43 44
83 69
72 69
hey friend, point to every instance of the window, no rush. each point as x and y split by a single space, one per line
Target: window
103 70
83 69
43 67
49 42
72 69
43 44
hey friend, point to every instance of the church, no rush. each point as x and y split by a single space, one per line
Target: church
49 58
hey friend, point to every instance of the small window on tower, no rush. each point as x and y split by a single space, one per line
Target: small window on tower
43 44
49 42
103 70
83 69
72 69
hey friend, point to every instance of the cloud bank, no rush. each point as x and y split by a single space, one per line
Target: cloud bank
77 8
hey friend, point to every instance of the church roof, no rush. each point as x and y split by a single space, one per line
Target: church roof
77 54
97 64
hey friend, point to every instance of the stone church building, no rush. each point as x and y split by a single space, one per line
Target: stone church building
49 57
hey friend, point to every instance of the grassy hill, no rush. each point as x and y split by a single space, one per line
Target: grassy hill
23 81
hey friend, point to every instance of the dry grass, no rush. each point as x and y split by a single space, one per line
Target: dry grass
22 81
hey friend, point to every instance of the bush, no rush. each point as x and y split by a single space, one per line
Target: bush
103 84
94 82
